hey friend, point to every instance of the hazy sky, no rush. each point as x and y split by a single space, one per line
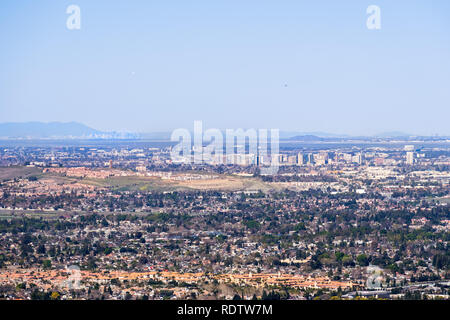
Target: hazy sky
293 65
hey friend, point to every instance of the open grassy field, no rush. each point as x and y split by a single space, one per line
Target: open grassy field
16 214
443 200
151 183
180 182
8 173
223 182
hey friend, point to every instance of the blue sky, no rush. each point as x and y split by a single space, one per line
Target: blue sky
294 65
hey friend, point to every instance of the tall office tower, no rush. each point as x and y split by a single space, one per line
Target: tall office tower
251 159
310 158
410 157
300 159
357 158
347 157
320 159
292 160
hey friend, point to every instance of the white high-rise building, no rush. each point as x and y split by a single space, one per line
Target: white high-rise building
292 160
410 157
357 158
300 159
310 158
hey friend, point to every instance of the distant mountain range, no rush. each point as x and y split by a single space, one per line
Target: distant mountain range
75 130
380 137
57 130
394 134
